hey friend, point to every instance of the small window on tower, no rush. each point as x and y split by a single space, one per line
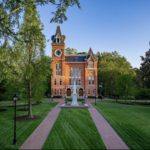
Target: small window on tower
91 64
58 69
55 82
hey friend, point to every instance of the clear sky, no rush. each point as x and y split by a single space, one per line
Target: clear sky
104 25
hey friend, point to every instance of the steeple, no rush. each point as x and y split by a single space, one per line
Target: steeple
91 53
58 38
58 31
90 50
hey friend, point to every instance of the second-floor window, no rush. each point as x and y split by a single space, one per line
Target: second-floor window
91 79
58 69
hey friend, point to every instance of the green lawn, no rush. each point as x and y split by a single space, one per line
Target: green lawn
131 122
74 129
24 128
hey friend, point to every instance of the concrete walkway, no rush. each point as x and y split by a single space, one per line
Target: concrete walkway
110 138
40 134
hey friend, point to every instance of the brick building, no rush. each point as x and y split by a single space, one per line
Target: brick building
66 68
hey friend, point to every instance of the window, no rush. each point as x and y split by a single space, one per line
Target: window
92 79
58 69
89 79
88 91
91 64
75 72
70 81
60 82
79 82
55 82
54 91
60 91
94 92
57 39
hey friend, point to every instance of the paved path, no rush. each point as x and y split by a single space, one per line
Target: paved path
40 134
110 138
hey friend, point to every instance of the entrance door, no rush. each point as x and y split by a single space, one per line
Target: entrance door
68 92
80 92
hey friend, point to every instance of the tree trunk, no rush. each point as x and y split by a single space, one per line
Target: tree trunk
29 101
30 86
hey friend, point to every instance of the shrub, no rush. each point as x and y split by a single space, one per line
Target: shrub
142 93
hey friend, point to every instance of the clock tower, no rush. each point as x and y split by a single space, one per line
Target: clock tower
58 45
58 58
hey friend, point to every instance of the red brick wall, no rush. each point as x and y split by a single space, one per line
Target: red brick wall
85 71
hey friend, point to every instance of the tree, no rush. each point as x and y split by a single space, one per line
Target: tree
116 74
19 58
70 51
11 10
145 69
33 46
42 74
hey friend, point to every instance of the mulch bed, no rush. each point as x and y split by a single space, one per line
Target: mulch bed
22 109
2 109
26 118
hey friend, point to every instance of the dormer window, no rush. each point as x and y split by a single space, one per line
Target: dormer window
91 64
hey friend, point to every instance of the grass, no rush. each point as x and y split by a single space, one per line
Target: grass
130 121
21 102
24 128
74 129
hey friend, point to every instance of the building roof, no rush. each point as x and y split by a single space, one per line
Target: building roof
58 38
76 58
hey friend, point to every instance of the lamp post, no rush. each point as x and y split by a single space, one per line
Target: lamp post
51 97
15 98
101 86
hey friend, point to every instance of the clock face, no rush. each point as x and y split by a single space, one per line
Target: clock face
58 53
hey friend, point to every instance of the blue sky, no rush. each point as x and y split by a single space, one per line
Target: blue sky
104 25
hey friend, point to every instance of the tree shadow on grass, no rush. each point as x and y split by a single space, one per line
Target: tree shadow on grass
27 118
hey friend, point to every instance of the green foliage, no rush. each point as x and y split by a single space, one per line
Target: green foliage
12 10
131 122
115 74
42 75
70 51
142 93
145 69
